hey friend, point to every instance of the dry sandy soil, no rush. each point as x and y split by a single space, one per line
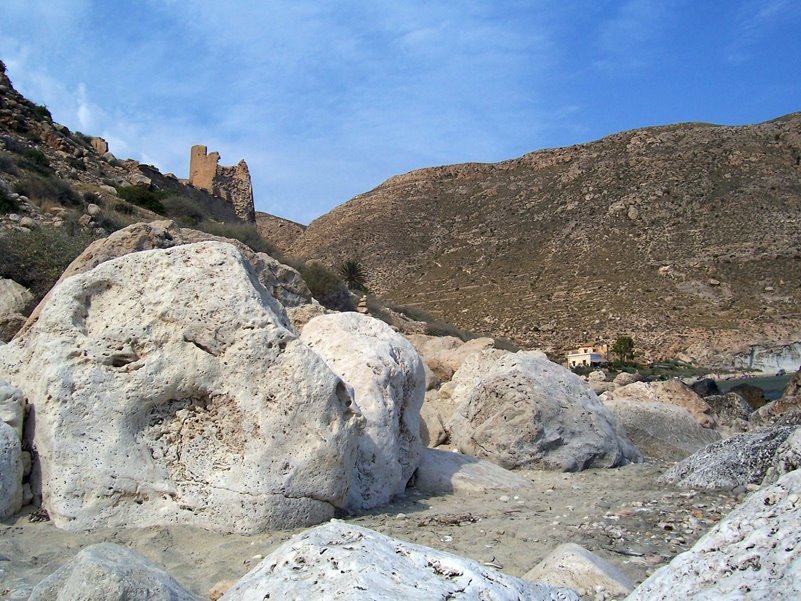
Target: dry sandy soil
622 514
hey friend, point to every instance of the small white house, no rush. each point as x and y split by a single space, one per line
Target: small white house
588 355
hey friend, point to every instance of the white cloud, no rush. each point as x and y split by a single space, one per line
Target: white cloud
755 19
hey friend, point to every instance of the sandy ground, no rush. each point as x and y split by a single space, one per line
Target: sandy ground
621 514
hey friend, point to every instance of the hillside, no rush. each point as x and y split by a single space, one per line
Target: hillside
279 231
686 237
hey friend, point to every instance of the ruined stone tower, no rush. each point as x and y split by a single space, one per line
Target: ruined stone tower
229 183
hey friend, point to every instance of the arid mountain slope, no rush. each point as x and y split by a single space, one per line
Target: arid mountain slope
281 232
687 237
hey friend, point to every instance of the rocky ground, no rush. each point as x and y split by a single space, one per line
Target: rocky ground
621 514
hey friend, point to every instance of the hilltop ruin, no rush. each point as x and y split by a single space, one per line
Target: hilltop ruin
232 184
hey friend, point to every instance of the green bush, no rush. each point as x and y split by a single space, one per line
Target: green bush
143 197
352 273
35 160
36 259
112 220
37 187
7 164
185 211
326 286
244 232
7 204
42 112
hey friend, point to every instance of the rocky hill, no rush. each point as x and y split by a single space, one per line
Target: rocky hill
279 231
686 237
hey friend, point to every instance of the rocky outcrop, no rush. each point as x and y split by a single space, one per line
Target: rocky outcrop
770 359
232 184
673 392
729 410
731 463
661 430
521 410
445 472
388 381
14 299
333 558
159 401
753 395
109 572
572 566
753 553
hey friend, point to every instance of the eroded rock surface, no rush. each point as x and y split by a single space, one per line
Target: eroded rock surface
521 410
573 566
328 562
13 301
10 471
661 430
388 380
158 400
753 553
672 392
445 472
727 464
109 572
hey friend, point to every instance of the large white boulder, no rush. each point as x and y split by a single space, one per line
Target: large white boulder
444 472
388 381
522 410
167 389
109 572
727 464
340 561
10 471
572 566
753 553
661 430
283 282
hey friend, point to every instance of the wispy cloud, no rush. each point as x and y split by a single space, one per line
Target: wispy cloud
627 37
755 20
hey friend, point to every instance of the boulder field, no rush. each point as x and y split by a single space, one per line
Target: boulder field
162 382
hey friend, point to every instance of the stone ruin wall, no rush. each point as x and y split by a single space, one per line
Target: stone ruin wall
232 184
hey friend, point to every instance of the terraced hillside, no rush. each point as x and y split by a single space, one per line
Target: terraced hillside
687 237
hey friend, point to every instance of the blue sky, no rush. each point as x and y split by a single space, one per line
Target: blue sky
325 100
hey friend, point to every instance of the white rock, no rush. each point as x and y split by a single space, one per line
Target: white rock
444 472
14 298
160 400
10 471
12 406
340 561
661 430
432 419
754 553
283 282
521 410
93 210
727 464
673 392
388 380
573 566
109 572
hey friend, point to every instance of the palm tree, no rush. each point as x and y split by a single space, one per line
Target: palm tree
352 274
